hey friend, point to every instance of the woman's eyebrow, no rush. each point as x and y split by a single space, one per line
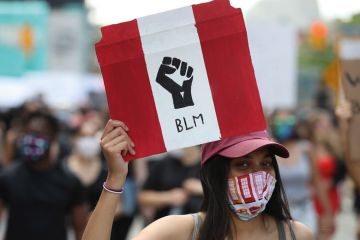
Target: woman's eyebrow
246 157
267 155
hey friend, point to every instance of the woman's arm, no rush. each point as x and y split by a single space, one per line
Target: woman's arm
115 143
321 187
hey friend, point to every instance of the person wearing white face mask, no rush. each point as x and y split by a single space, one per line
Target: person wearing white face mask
87 147
85 160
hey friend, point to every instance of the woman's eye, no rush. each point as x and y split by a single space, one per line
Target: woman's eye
242 164
267 164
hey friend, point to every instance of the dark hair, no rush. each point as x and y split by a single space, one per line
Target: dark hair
51 121
214 180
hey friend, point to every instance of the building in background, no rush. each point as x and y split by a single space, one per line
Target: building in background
300 13
23 38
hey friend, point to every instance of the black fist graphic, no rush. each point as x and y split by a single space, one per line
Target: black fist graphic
181 93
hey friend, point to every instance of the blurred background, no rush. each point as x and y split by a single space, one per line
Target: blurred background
48 64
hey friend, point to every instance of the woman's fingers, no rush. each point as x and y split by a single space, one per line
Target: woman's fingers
131 149
117 138
115 141
122 147
115 132
111 124
343 111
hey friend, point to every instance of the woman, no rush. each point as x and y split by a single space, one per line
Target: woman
225 163
327 152
85 160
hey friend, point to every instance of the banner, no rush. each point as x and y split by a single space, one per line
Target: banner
350 67
181 78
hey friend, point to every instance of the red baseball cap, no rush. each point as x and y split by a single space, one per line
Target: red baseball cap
239 146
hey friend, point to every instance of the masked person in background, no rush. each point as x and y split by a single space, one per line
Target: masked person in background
85 159
300 174
243 194
86 163
38 192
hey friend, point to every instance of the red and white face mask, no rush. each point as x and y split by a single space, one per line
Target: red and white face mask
249 194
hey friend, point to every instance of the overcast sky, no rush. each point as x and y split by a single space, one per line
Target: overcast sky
114 11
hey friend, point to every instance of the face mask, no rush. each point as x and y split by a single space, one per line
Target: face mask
284 128
88 147
34 147
249 194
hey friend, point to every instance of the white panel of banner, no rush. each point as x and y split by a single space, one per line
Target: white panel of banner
178 78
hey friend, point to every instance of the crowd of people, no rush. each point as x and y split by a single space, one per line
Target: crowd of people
53 170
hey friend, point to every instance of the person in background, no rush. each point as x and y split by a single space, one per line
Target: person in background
345 116
86 163
173 185
38 192
2 136
300 173
327 152
15 124
85 160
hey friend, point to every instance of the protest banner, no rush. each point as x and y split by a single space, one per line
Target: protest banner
181 78
350 68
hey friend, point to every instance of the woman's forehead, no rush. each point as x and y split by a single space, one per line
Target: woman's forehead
258 153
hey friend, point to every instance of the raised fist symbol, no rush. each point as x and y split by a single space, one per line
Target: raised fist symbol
179 85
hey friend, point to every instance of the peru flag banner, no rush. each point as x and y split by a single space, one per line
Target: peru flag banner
181 78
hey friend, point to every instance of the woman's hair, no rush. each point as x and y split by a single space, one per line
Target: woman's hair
214 180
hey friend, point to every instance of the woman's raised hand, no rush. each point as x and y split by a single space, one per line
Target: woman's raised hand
115 143
343 111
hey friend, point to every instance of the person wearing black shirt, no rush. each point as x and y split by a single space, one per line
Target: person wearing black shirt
37 191
173 185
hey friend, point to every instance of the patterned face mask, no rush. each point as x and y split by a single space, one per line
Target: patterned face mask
34 147
284 129
249 194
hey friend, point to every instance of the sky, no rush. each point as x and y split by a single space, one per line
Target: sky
114 11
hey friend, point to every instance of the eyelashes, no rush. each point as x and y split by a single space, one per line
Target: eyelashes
246 164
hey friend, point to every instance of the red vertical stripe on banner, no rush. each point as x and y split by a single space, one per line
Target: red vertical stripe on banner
128 87
224 44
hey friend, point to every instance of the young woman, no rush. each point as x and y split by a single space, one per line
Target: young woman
243 194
